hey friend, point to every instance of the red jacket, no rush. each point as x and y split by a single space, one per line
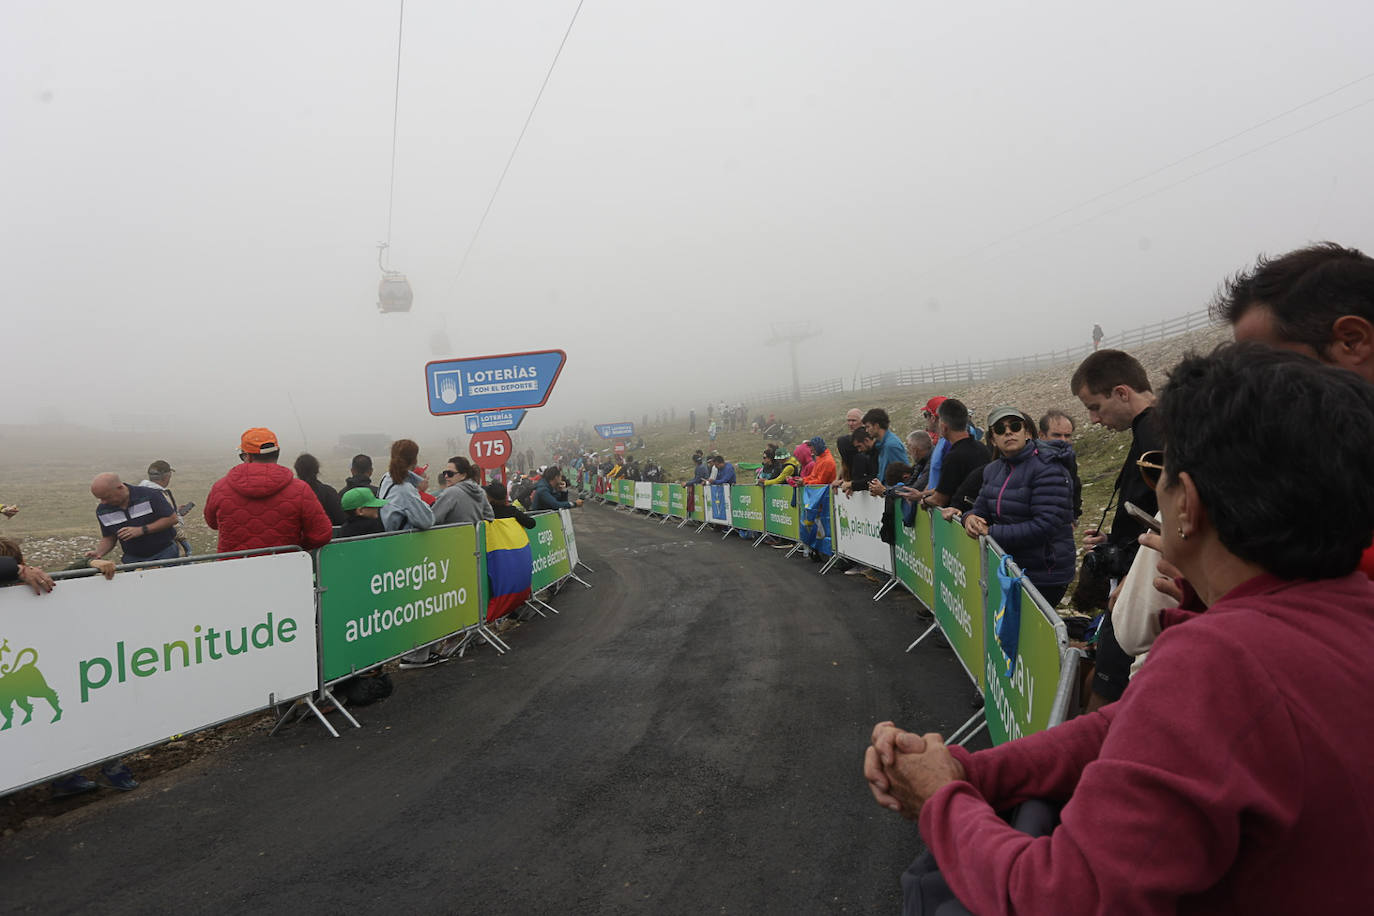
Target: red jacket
263 505
1233 777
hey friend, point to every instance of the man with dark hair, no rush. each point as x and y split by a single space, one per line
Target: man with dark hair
863 464
1115 390
887 448
1056 424
260 504
360 475
964 455
725 471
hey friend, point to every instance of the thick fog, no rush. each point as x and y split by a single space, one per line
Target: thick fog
193 193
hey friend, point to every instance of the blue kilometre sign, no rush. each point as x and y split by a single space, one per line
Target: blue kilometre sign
478 384
615 430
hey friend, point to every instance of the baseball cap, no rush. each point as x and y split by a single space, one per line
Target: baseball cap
496 491
360 498
934 403
999 413
259 441
159 467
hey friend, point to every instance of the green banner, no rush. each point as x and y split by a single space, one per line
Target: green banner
381 597
548 551
1021 704
782 511
914 553
958 595
677 500
625 492
746 507
699 503
659 502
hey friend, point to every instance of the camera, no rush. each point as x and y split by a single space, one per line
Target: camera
1108 561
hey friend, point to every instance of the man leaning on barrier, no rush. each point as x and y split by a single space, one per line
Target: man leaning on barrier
1234 775
140 520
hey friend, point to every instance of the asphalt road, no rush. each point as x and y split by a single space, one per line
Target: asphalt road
685 737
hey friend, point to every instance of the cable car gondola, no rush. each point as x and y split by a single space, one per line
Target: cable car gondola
393 292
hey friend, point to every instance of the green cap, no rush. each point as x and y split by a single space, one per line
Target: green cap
360 498
999 413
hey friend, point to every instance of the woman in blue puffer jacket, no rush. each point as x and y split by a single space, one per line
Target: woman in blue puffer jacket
1026 502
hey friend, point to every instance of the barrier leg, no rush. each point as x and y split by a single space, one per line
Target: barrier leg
760 539
327 694
576 578
930 629
529 603
973 719
544 604
728 532
586 567
492 639
683 522
798 547
888 586
830 563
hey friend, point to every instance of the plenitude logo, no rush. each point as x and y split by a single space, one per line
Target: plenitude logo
21 681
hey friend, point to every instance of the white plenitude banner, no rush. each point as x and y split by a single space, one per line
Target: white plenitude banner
644 495
566 516
858 521
109 666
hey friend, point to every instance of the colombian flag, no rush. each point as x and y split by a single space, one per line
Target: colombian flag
510 567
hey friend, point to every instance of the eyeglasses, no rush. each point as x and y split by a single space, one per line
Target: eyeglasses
446 474
1012 424
1151 465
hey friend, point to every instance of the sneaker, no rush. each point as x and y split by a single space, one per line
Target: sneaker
73 784
119 777
855 571
428 661
781 545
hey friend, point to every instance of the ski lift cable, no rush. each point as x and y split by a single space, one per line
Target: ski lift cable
516 148
395 120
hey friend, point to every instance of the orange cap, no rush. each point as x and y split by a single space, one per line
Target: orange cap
259 441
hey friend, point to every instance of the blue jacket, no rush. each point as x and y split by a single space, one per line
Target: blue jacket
725 474
703 474
888 450
1027 500
544 497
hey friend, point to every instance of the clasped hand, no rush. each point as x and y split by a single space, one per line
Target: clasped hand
904 770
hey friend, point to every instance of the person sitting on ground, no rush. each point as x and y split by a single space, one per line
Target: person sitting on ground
359 475
552 492
404 508
501 507
1215 784
462 501
1025 503
259 503
362 513
823 467
308 469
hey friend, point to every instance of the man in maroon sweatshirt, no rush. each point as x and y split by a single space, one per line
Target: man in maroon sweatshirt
1235 776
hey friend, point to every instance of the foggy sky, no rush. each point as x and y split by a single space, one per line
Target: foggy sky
193 193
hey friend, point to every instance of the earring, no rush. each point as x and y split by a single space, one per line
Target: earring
1182 536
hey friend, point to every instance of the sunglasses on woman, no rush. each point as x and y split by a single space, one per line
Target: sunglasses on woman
1009 424
1151 465
446 474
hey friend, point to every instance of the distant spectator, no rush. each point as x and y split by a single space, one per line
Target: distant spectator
1097 336
724 470
501 507
362 513
844 445
359 475
692 421
259 504
160 478
308 469
552 491
785 468
9 511
919 446
462 500
1026 503
804 455
711 431
823 468
931 414
1059 426
864 465
400 488
886 446
140 520
963 456
702 472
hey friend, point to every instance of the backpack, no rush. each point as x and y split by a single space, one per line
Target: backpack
522 491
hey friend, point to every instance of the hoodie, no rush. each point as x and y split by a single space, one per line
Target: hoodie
462 503
545 497
263 505
404 508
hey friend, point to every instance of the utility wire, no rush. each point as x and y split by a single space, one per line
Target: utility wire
1163 168
395 119
528 118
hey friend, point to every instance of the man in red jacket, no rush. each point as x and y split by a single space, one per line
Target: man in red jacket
261 504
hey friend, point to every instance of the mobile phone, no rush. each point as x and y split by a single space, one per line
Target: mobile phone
1140 515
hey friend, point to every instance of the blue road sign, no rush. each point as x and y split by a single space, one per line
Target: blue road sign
493 421
492 383
615 430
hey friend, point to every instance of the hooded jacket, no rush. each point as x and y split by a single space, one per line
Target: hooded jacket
263 505
804 458
822 469
404 508
1027 500
463 503
544 497
786 467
